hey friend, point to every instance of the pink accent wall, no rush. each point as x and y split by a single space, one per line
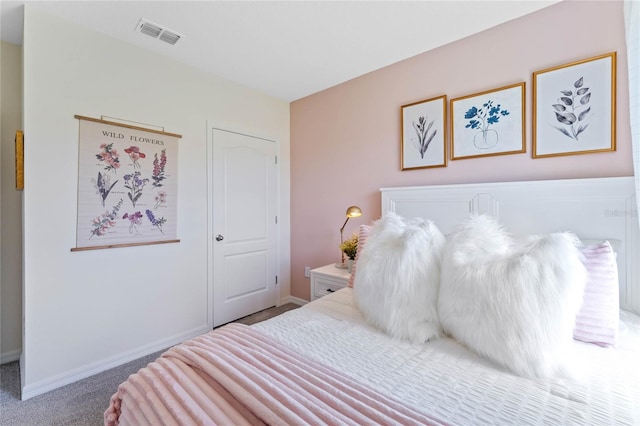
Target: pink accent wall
345 141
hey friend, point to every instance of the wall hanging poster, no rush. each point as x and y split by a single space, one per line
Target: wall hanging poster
127 185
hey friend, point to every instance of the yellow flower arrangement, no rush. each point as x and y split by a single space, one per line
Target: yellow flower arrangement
350 246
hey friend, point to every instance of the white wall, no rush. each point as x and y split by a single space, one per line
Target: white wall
10 205
89 310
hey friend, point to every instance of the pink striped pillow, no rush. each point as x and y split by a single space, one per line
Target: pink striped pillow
363 234
597 321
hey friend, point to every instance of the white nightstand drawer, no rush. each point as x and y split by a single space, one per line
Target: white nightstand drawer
322 288
327 279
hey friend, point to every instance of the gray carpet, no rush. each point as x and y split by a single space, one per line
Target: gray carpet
82 403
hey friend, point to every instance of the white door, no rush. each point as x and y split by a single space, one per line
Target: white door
243 224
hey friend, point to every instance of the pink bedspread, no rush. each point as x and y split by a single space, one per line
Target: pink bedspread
235 375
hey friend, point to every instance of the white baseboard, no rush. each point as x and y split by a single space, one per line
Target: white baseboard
43 386
291 299
10 356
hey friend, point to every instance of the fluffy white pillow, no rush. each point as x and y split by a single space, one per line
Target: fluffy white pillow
396 287
514 303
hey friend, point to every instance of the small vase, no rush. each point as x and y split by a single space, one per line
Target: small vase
349 264
485 139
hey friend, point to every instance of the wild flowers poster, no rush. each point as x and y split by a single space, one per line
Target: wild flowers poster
488 123
424 134
127 185
574 107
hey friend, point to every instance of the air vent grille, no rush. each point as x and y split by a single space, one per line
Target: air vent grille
169 37
158 31
150 29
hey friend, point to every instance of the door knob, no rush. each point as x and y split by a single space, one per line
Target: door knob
219 237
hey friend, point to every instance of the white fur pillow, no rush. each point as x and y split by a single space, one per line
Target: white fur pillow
514 303
396 287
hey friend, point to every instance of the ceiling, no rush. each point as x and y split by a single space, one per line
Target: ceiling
286 49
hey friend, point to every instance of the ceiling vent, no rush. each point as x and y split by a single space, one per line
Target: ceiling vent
157 31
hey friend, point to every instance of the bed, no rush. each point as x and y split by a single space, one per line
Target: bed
324 364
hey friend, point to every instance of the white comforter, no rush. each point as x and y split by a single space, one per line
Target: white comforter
451 383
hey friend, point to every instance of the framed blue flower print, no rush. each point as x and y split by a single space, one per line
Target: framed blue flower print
424 134
574 108
488 123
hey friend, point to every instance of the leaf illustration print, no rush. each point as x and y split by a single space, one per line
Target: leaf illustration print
572 110
424 137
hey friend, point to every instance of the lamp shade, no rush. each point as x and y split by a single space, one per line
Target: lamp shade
354 211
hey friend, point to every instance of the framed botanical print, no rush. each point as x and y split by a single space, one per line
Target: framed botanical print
488 123
574 108
424 134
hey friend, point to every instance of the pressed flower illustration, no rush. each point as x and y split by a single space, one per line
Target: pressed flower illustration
135 185
158 168
110 156
424 137
135 219
161 199
105 221
157 222
135 155
572 110
481 119
103 186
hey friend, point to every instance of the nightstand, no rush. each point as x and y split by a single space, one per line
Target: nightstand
327 279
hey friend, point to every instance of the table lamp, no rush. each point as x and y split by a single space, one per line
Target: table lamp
353 211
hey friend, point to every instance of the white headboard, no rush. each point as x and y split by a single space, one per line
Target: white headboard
603 208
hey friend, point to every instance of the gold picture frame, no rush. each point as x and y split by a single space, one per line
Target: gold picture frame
19 160
574 108
423 139
488 123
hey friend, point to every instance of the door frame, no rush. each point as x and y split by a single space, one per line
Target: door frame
210 231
